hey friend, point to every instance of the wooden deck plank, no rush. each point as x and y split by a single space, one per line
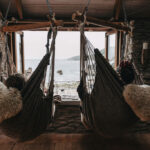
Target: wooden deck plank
6 146
74 140
78 142
32 146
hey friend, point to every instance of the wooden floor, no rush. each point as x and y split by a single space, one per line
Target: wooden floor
78 142
67 133
67 119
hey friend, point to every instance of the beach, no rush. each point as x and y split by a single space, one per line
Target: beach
67 77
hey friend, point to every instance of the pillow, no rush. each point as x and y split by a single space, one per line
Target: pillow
10 102
138 98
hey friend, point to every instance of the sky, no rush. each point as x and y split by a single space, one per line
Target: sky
67 43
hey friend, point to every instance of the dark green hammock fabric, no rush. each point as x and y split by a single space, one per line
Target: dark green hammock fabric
105 109
37 108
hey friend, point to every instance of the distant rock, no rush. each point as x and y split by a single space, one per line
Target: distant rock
60 72
111 49
76 58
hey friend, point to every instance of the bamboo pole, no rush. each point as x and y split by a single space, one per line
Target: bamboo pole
22 53
106 47
117 49
20 27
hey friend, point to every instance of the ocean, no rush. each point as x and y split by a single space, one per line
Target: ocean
65 83
70 69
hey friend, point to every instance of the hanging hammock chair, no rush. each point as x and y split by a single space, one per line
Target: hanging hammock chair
100 90
37 108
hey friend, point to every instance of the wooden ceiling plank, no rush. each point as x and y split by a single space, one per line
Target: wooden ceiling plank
19 8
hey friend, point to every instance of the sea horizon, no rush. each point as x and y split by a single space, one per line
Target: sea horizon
70 69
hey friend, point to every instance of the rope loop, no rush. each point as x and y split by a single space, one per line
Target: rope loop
6 15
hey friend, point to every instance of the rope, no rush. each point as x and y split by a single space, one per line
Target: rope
52 66
87 62
85 11
82 56
124 11
52 18
50 8
86 7
49 34
81 50
88 3
90 65
52 49
6 15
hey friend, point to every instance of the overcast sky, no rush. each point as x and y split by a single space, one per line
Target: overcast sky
67 43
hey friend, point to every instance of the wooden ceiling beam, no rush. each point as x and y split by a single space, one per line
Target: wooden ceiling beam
19 8
110 32
20 27
103 23
100 29
85 29
100 22
117 9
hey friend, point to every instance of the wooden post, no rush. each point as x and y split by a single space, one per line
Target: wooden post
106 47
22 53
117 49
9 41
81 56
14 49
120 45
11 50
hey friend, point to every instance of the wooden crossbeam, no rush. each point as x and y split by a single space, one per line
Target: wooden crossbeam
104 23
100 22
117 9
20 27
100 29
111 31
19 8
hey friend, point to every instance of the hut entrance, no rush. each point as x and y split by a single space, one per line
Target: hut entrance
67 117
67 64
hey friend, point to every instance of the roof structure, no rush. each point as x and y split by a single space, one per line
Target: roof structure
36 11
